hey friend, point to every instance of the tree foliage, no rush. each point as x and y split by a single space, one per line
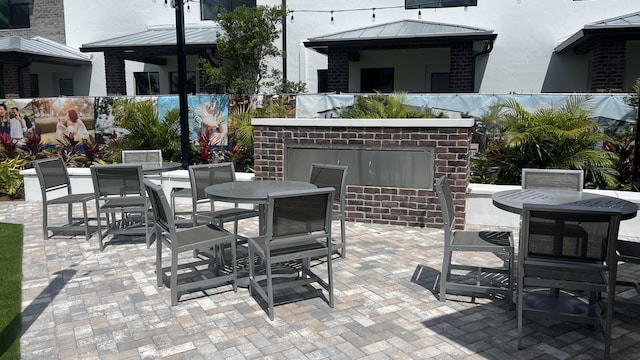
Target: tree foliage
384 106
562 137
246 46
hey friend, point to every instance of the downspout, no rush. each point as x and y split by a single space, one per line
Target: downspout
488 46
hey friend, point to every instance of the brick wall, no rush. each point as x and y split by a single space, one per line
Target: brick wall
46 20
115 74
461 67
373 204
338 70
15 71
607 74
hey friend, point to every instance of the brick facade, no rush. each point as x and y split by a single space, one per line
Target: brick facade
608 70
15 78
338 70
373 204
461 67
115 74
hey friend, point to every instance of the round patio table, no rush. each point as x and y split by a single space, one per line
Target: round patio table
513 200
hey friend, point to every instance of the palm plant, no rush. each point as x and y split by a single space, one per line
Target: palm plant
553 138
383 106
147 130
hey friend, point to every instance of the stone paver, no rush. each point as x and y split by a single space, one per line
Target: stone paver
83 303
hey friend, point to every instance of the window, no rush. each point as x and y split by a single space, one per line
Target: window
323 84
440 82
191 82
66 87
378 79
14 14
426 4
208 8
147 83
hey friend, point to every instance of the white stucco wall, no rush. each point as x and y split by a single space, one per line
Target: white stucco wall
522 60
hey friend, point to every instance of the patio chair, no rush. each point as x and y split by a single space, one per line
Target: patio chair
121 198
628 252
552 179
142 156
557 280
202 274
487 280
298 228
335 176
55 187
203 208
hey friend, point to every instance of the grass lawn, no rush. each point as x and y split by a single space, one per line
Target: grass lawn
10 290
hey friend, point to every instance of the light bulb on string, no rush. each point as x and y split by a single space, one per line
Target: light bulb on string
331 17
166 3
373 15
419 12
292 16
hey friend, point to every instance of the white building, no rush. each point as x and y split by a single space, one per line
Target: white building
122 47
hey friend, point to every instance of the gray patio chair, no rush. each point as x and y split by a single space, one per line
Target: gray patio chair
552 261
298 229
203 209
55 187
489 280
142 156
335 176
552 179
121 199
202 274
628 252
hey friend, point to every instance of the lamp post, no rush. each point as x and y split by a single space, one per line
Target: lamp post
178 5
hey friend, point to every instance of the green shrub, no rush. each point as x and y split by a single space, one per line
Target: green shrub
11 182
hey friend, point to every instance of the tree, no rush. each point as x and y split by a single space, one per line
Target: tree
549 138
245 47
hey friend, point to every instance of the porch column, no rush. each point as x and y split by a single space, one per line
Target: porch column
607 74
115 75
338 70
16 78
461 68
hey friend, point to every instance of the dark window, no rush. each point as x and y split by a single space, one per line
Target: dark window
208 8
426 4
379 79
14 14
147 83
191 82
35 86
323 85
66 87
440 82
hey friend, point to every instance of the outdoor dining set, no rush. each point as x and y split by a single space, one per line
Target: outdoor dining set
563 266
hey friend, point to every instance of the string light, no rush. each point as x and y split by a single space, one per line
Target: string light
420 12
291 15
331 16
373 15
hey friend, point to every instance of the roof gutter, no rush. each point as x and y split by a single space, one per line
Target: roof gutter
488 47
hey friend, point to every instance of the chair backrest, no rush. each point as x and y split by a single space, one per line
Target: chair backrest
52 175
142 156
329 175
548 233
446 203
553 179
300 214
117 180
162 213
202 176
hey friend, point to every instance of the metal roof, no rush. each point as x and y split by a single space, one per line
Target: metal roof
629 23
408 31
157 37
403 29
44 50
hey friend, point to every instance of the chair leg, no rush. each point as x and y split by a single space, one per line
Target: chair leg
330 277
519 314
343 238
174 278
444 274
45 231
86 220
158 260
270 291
234 266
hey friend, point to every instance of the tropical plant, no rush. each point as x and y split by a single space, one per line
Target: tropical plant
147 130
548 138
11 182
8 147
241 138
623 148
33 147
384 106
245 47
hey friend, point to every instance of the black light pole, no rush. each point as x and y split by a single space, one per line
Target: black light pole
182 82
635 177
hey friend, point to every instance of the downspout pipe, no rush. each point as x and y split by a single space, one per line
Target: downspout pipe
488 47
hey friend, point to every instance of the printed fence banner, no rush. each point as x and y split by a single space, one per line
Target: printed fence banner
57 117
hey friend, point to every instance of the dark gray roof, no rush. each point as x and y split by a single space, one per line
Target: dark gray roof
45 50
157 37
401 31
629 23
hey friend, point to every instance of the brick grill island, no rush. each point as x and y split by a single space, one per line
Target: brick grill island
418 207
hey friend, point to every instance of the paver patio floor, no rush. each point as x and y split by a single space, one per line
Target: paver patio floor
83 303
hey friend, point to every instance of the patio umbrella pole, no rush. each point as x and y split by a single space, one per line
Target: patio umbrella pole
182 80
